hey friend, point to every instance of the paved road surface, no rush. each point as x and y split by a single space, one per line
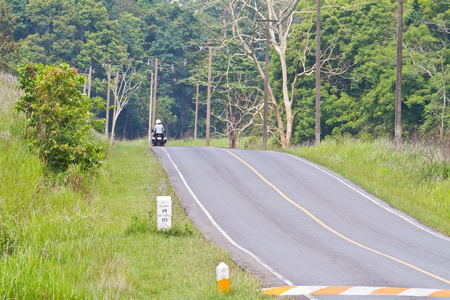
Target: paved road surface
297 224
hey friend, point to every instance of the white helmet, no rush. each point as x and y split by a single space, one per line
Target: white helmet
158 121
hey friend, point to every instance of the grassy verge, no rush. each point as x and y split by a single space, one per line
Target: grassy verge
81 235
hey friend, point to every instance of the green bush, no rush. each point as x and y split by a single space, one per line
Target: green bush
59 116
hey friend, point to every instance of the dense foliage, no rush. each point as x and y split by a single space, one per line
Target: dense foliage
59 116
358 53
8 47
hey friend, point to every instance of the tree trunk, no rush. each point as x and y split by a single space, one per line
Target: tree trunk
115 114
107 99
231 137
125 126
286 143
273 100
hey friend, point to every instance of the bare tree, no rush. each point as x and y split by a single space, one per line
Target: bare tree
243 16
241 102
128 81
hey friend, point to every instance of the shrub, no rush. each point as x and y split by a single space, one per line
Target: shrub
59 116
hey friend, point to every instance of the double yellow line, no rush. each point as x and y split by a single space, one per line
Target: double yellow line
331 229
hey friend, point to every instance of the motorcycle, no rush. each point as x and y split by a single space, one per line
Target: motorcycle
159 139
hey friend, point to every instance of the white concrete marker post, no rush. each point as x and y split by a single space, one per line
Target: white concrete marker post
223 277
164 212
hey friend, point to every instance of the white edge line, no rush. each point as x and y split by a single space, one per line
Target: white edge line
376 202
278 275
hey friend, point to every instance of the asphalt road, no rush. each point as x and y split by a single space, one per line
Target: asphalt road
298 224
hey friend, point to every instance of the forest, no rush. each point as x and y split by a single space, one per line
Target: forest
123 44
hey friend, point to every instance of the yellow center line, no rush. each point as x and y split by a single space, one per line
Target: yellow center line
331 229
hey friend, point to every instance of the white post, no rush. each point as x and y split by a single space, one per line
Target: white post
164 212
223 277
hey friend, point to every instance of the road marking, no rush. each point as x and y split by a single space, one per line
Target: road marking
259 260
321 223
441 236
354 291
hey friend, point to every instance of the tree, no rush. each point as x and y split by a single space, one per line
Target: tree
292 18
169 30
368 46
132 35
238 96
427 47
102 45
53 28
127 82
8 48
59 115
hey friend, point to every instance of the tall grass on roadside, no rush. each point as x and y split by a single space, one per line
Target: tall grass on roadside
48 227
403 177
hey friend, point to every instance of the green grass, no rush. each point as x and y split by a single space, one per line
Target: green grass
93 235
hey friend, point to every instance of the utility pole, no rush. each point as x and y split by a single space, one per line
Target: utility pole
196 113
208 99
154 93
89 84
150 110
266 82
398 78
155 88
318 54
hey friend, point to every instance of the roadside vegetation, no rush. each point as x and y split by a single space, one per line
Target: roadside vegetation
92 233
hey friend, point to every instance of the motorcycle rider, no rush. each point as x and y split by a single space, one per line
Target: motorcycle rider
159 128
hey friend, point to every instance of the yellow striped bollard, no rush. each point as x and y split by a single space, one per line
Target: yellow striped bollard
223 278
